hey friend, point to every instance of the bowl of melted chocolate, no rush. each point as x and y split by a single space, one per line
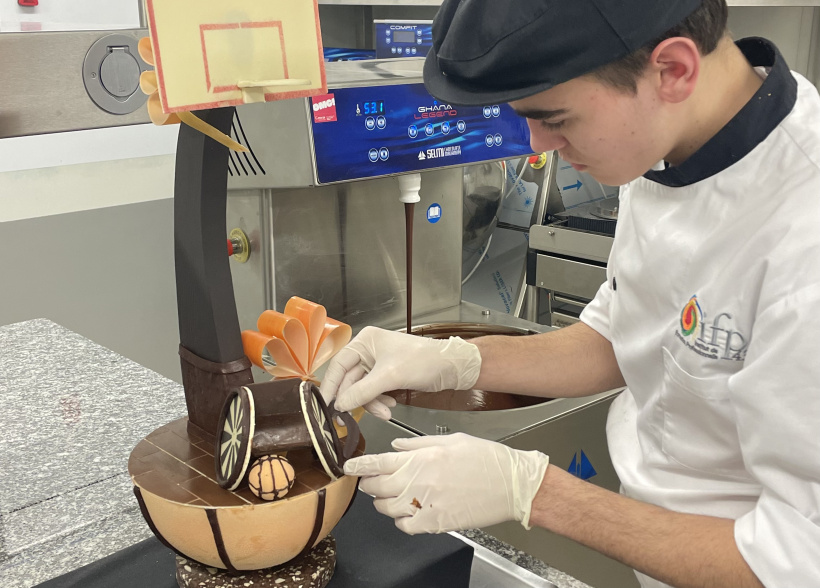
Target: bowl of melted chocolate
466 400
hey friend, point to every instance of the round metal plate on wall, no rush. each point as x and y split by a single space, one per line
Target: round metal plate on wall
111 74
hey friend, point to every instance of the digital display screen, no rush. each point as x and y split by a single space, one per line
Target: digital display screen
404 36
373 107
371 140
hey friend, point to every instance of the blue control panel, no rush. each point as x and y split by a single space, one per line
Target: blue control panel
403 38
377 131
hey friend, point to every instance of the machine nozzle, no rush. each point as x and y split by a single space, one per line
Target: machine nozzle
409 186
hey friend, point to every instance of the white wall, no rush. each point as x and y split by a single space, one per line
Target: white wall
89 186
793 29
68 15
68 172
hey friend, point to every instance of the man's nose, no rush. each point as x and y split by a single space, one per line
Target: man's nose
543 140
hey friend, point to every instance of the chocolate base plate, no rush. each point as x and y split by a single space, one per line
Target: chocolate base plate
175 483
312 570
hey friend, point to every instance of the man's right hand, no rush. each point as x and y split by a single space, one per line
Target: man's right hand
379 361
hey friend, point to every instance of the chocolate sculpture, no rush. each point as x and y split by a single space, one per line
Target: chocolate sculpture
180 469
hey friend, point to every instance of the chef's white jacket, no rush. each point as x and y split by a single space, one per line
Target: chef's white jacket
712 305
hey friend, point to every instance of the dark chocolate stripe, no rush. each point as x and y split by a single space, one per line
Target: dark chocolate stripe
352 498
220 544
147 516
317 524
262 463
281 461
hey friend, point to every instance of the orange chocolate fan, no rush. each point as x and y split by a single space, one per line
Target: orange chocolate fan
294 344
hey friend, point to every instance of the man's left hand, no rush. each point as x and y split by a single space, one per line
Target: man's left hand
446 483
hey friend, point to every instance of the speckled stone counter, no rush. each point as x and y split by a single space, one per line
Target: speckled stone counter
524 560
71 411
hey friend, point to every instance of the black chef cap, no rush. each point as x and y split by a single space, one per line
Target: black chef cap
488 51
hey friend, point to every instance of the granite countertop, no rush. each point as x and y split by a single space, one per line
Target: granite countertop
71 411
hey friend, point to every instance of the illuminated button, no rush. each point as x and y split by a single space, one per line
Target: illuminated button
488 112
373 154
445 128
496 111
498 139
392 49
418 41
413 50
387 40
388 32
462 126
370 123
413 131
399 50
384 154
428 128
418 32
381 122
489 141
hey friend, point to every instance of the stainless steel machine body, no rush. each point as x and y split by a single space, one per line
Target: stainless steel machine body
567 265
320 230
340 244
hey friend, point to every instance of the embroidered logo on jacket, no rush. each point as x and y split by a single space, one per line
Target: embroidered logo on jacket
713 338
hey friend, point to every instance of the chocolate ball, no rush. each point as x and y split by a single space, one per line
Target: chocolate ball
270 477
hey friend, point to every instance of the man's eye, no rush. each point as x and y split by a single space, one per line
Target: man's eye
552 126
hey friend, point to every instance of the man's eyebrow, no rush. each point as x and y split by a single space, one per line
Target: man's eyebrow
540 114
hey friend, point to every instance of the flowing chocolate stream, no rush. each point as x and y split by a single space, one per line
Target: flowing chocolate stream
408 231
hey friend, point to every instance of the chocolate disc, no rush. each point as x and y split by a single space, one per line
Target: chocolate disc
232 452
322 432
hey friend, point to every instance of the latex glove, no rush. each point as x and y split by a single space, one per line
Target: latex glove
379 361
453 482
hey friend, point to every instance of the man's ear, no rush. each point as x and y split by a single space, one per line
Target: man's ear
676 63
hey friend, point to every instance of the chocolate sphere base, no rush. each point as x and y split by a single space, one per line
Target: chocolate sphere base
312 570
174 478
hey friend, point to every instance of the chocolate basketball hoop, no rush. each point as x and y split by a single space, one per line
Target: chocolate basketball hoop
276 417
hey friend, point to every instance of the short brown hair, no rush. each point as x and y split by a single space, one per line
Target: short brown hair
706 26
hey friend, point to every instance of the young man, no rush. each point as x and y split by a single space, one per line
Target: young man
710 314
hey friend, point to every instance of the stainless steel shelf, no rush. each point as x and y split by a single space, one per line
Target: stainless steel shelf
373 72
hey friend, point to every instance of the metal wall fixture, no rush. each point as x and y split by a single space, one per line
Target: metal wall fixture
111 74
239 246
